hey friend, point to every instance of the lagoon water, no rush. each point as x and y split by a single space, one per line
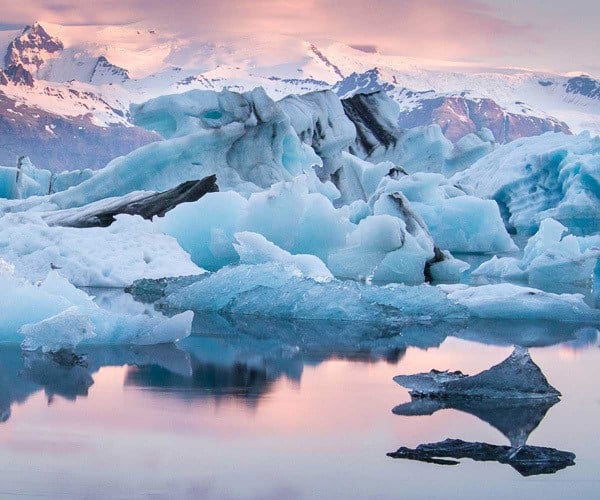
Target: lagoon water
262 416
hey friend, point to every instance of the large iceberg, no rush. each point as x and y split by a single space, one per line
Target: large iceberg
380 248
245 139
552 175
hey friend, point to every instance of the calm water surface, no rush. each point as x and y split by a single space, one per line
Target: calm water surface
243 416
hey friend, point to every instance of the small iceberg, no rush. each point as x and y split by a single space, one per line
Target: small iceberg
515 377
550 257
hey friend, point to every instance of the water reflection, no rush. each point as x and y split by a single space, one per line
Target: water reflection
242 358
526 460
513 397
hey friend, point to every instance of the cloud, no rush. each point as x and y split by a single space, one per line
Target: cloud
457 29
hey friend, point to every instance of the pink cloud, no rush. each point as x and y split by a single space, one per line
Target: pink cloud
460 29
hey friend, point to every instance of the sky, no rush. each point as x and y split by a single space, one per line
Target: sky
544 34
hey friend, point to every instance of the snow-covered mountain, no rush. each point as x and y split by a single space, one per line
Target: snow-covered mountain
87 77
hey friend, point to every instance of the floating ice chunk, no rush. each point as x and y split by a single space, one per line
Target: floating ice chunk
254 248
205 228
53 315
552 175
22 302
382 249
447 269
508 268
280 291
508 301
468 150
548 258
63 331
515 377
130 249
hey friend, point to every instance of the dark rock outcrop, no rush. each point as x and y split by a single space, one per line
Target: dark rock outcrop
583 85
18 75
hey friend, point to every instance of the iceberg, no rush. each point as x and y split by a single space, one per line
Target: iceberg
280 290
380 248
26 180
130 249
552 175
509 301
513 396
421 149
516 377
550 257
245 139
457 222
53 315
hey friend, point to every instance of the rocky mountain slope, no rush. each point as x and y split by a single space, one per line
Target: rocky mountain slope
72 87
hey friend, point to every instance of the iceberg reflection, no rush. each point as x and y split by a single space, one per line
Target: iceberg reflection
513 397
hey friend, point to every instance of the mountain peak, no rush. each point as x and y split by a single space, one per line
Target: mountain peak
32 48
